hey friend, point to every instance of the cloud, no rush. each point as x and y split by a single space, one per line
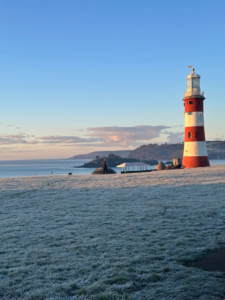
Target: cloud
15 139
219 137
108 136
175 137
16 150
14 136
112 136
10 125
57 139
126 136
54 139
17 127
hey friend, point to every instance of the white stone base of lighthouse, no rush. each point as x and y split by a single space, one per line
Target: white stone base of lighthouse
195 149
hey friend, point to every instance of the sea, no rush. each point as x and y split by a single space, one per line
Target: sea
39 167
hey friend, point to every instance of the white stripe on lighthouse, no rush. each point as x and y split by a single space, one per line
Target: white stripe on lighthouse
195 149
194 119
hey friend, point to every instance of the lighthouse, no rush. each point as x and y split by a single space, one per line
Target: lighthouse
195 152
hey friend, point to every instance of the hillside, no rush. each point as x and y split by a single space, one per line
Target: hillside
154 151
216 149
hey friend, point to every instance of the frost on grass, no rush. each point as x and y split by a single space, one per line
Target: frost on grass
112 237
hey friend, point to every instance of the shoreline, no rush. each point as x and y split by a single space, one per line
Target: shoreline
20 169
167 177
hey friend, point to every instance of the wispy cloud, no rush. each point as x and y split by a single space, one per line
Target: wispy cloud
21 150
175 137
57 139
109 136
112 136
126 136
15 139
219 137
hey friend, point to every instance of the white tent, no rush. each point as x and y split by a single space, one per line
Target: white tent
139 166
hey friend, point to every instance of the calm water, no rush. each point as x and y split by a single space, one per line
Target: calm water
20 168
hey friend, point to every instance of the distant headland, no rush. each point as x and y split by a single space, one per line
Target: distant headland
216 150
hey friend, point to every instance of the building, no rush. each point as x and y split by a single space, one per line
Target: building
177 161
195 152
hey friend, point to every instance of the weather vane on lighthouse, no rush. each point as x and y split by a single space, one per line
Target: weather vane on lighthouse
195 152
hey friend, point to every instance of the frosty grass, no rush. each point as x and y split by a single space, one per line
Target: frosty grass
112 237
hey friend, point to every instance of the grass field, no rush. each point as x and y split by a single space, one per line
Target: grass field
112 237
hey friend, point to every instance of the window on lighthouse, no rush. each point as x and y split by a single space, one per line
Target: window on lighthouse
196 83
189 135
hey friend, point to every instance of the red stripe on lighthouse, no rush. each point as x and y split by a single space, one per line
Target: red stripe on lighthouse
194 134
192 104
195 162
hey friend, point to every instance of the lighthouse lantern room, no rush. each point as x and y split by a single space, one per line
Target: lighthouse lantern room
195 152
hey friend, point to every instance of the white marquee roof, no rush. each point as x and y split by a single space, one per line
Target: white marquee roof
132 164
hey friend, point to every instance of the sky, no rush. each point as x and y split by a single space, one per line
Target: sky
82 76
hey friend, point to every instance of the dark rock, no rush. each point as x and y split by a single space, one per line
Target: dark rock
172 167
92 155
100 171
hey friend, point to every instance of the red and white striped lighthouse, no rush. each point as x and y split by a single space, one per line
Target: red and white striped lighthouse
195 152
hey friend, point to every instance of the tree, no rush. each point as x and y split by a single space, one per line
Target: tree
112 155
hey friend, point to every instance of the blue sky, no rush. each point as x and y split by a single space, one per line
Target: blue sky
79 76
